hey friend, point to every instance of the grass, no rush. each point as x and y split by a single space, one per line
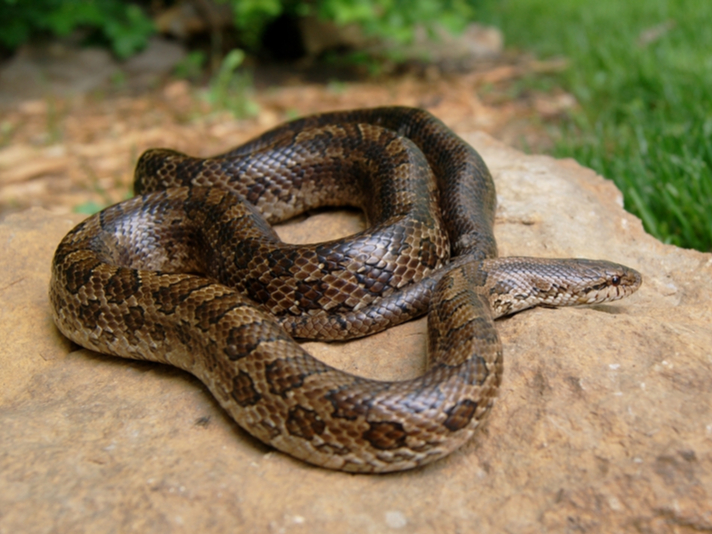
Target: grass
230 88
641 71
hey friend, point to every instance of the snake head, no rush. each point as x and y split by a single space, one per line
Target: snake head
518 283
602 281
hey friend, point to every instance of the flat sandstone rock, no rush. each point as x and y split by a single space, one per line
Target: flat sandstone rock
603 422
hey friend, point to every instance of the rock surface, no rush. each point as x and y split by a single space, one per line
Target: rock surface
603 424
450 52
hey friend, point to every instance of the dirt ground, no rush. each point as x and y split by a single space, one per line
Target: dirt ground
78 153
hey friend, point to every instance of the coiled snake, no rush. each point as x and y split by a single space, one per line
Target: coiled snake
190 274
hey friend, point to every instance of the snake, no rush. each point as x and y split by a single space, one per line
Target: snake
190 273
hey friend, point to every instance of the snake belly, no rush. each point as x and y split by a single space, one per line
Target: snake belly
190 274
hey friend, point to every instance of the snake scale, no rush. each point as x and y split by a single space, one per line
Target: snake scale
191 274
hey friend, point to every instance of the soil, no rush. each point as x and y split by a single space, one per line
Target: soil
77 153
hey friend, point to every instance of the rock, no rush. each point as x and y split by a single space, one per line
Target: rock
319 35
447 51
186 19
62 68
151 65
603 423
452 52
58 68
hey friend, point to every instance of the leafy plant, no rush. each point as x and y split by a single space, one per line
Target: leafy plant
392 19
397 19
122 25
125 27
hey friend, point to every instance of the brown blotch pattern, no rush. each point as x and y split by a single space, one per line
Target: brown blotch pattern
244 391
386 435
460 415
304 423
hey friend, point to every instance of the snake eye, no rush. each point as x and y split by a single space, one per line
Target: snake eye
615 280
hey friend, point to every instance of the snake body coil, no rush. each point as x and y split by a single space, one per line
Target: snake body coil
191 274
